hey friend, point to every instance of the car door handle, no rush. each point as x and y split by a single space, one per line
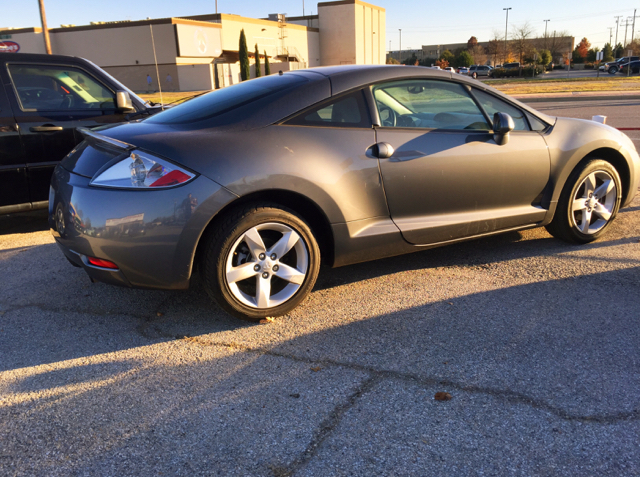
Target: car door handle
46 128
383 150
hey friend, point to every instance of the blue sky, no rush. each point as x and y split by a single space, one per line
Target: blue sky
422 22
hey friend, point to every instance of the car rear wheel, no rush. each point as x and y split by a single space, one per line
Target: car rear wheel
262 261
588 204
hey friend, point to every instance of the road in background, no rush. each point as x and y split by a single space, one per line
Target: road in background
621 113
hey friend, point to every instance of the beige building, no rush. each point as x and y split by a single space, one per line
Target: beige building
201 52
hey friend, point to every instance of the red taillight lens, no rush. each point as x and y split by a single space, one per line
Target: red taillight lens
98 262
172 178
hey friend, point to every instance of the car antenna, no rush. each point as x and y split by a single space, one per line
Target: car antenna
153 44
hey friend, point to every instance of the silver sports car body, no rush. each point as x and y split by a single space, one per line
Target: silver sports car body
255 183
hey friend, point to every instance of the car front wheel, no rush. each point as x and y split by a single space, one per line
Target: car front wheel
588 203
613 70
262 261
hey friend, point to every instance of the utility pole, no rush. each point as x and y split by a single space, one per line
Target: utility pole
45 30
400 52
615 47
506 26
610 34
626 25
633 27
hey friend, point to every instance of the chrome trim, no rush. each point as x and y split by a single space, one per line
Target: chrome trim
114 142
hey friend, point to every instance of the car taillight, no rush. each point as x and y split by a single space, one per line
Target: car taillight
142 170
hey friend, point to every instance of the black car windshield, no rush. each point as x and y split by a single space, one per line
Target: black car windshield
222 100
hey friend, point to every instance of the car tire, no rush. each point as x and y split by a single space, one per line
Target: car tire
588 203
284 252
613 70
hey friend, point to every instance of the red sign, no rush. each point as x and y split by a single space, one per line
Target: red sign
9 47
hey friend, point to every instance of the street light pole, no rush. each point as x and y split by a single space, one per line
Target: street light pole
546 22
506 26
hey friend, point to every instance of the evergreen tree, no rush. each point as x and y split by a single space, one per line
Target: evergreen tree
258 71
619 51
243 52
267 67
464 59
607 52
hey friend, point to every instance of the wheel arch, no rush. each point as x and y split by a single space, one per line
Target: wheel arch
302 205
614 157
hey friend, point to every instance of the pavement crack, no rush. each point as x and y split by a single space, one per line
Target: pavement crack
512 397
327 426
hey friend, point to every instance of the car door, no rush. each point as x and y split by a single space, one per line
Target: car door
14 189
447 177
50 101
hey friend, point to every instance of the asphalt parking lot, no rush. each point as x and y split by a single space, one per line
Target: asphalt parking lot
535 341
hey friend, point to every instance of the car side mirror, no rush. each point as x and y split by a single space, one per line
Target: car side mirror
502 125
123 102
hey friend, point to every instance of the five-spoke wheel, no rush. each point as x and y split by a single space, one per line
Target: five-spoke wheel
588 203
262 263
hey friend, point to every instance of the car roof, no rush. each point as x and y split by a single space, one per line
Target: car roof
347 77
38 57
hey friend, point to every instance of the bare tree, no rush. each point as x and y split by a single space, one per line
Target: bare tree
520 40
559 44
495 48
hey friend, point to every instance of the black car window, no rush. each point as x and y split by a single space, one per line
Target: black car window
51 88
345 111
493 105
427 104
223 100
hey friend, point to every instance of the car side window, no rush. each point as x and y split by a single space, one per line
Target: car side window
427 104
493 105
345 111
49 87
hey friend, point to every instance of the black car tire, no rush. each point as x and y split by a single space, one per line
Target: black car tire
612 70
564 224
224 245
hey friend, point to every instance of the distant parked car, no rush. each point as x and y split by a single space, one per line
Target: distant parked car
450 69
634 65
463 70
479 70
508 66
612 67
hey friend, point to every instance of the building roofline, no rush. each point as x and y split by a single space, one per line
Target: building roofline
350 2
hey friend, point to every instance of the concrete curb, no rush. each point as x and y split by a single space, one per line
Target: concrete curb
539 98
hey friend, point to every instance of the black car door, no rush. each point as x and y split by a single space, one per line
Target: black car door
14 189
50 101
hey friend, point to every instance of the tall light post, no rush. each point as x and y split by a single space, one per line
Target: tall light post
400 52
506 26
546 22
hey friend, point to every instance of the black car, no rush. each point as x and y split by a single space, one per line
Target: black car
613 67
634 65
43 99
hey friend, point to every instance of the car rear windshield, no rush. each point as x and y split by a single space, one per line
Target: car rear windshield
223 100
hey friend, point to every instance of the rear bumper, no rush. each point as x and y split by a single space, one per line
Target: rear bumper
151 235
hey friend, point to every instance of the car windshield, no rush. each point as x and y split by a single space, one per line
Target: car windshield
223 100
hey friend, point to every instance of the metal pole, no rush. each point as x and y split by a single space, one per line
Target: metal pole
45 30
400 52
302 7
506 26
216 7
546 22
615 48
610 34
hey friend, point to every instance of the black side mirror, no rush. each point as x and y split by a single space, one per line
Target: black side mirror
123 102
502 125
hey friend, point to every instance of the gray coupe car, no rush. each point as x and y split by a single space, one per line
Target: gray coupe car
254 184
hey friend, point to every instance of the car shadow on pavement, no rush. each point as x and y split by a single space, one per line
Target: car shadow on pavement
537 373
